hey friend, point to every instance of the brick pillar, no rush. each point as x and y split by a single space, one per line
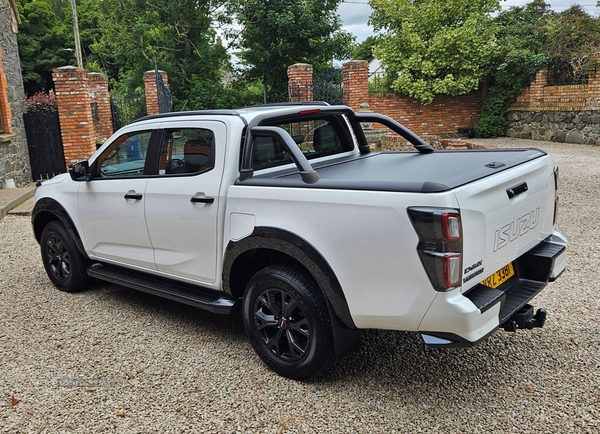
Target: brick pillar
101 108
537 88
151 90
300 82
355 83
74 112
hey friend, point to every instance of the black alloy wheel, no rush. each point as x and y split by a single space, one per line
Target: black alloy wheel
282 324
287 321
64 264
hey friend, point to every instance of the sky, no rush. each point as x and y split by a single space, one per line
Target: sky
355 13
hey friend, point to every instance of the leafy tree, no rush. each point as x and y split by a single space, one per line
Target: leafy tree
279 33
521 38
45 42
176 35
364 50
572 43
433 47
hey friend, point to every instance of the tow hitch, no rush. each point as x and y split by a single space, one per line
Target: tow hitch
524 318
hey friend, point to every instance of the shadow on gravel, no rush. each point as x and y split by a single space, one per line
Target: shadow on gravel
189 319
401 359
385 359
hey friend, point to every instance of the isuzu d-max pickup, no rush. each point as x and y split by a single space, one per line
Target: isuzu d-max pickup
284 213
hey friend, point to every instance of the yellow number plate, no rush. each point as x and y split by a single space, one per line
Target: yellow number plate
499 277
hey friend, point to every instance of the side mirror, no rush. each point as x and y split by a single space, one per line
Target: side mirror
80 171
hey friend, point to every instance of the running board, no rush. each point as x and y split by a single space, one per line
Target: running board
189 294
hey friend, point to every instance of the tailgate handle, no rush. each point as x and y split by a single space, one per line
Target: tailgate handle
517 190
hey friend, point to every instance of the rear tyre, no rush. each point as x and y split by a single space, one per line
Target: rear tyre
287 321
65 265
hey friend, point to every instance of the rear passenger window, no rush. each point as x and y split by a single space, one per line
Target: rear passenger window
186 151
315 138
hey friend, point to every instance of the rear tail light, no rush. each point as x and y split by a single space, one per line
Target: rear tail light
451 227
452 266
440 245
555 194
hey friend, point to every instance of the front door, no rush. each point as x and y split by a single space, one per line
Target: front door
111 205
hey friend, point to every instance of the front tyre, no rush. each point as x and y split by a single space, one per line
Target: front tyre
287 321
65 265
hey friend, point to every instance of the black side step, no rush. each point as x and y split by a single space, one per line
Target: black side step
193 295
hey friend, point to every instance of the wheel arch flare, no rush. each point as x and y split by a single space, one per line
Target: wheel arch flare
266 246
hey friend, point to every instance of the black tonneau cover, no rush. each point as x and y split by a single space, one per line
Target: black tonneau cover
401 171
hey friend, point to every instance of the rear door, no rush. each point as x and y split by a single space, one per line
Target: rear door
504 216
182 202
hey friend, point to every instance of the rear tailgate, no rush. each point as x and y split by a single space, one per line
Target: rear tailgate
503 217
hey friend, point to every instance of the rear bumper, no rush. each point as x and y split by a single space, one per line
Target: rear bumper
465 319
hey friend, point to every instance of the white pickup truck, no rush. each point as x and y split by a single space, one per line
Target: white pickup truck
283 212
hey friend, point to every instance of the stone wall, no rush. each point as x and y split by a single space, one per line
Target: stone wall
581 127
14 157
564 113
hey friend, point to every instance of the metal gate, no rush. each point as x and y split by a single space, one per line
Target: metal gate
44 142
164 93
126 108
328 86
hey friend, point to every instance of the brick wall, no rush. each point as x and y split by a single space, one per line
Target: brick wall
74 110
540 96
5 112
445 115
560 113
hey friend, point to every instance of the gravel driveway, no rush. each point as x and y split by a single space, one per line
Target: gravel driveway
115 360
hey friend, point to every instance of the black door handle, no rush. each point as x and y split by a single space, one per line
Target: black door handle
136 196
202 199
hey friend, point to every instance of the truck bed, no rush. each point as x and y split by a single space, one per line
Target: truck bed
401 171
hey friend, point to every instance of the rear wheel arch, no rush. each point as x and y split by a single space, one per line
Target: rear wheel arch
269 246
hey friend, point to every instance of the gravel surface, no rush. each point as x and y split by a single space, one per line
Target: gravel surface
112 359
